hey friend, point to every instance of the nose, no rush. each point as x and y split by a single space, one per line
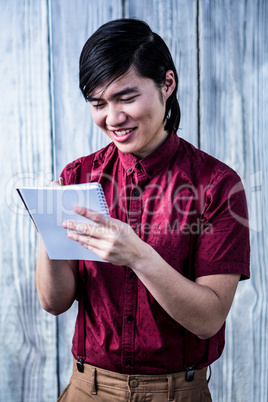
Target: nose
115 116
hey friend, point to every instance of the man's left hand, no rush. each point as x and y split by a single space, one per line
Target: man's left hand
112 240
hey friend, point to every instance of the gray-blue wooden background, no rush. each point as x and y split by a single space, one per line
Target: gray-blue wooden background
220 50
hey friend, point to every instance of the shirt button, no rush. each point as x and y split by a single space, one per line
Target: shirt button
128 363
136 193
134 383
130 169
129 318
132 275
138 166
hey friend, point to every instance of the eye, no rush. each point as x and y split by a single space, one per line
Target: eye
129 99
98 105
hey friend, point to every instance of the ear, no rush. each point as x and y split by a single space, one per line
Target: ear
169 85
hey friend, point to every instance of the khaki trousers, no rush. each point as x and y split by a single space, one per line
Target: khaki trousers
96 384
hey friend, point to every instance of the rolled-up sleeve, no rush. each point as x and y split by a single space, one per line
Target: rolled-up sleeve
223 245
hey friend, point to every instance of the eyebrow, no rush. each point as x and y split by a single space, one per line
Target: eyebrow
124 91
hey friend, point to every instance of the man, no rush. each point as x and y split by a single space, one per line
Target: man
151 318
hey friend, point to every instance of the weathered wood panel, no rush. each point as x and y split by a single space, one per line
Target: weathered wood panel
27 333
175 22
75 134
234 124
72 24
43 114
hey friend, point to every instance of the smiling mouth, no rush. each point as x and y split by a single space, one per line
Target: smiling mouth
123 135
120 133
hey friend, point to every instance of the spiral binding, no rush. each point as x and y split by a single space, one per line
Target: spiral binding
102 199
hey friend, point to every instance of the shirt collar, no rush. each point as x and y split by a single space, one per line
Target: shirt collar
153 163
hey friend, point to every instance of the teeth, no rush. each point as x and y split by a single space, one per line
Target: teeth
123 132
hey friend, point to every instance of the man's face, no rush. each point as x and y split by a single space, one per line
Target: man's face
131 112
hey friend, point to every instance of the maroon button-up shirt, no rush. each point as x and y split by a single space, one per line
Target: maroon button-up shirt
127 331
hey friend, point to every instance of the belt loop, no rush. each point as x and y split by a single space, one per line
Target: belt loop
170 387
129 388
94 382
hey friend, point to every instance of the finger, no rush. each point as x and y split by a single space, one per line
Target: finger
88 242
85 228
94 216
95 245
53 184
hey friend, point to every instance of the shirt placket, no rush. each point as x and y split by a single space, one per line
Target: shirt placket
131 284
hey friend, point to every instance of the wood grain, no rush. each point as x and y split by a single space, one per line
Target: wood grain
27 336
72 24
221 53
75 134
233 83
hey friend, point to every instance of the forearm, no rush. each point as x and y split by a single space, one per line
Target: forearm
201 306
55 282
196 307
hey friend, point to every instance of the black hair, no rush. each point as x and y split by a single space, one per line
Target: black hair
120 44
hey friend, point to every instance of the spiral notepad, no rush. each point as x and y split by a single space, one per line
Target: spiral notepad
50 206
103 202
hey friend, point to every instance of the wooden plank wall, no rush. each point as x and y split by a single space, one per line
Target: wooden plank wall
27 334
220 50
233 109
74 132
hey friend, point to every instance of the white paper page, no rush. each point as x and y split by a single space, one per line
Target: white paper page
50 206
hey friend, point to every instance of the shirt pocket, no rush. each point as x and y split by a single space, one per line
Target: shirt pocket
170 236
172 247
164 239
